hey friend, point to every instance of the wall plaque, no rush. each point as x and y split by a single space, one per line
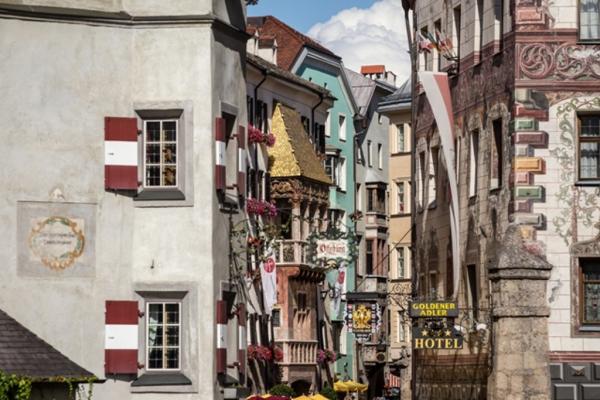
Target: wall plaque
56 239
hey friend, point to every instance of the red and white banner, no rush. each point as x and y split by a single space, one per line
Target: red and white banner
437 90
242 340
220 155
268 274
221 337
120 153
241 170
121 337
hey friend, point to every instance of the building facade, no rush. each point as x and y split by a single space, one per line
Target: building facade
119 204
306 58
524 92
397 107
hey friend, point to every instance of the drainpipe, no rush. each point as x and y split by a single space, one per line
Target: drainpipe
312 118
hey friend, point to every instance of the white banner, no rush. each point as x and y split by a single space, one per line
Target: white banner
268 274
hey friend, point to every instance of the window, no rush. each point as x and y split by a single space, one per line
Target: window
369 266
301 301
163 333
359 200
369 153
589 19
379 156
473 289
473 168
275 318
437 27
589 147
342 126
328 125
399 197
479 27
456 30
331 168
342 173
160 153
424 55
433 175
376 199
250 109
400 138
590 290
400 263
337 218
421 178
496 155
499 22
400 326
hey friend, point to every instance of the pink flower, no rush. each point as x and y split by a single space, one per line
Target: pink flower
270 139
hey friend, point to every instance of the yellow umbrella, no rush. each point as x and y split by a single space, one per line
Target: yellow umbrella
351 385
303 397
340 386
362 387
318 396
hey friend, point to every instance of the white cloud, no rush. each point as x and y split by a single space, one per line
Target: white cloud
364 36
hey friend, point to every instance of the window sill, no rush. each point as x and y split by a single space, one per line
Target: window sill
399 215
161 197
588 183
400 153
340 190
589 328
161 379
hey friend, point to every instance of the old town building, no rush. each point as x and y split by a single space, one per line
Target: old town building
397 107
523 98
126 141
294 111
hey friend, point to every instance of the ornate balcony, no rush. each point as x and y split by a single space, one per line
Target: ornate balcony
298 352
291 252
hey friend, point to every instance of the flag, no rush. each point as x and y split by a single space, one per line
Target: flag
268 275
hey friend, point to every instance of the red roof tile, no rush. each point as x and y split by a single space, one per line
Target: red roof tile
289 41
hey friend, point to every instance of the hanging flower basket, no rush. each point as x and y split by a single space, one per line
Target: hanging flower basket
257 207
325 356
277 354
255 135
257 352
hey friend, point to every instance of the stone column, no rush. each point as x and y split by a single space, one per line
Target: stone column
520 321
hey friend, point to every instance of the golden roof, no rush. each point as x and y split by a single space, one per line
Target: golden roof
293 154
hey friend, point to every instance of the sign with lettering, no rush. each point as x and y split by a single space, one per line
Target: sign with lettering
445 338
56 239
328 249
363 319
433 309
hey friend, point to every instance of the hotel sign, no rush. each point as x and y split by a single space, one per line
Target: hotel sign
446 338
434 309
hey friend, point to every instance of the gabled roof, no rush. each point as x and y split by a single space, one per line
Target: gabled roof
24 354
293 154
362 89
399 97
281 73
291 42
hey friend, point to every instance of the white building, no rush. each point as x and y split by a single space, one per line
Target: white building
111 211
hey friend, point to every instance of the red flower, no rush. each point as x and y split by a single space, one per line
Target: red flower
277 354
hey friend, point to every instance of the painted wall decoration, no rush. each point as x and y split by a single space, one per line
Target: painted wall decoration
576 199
56 239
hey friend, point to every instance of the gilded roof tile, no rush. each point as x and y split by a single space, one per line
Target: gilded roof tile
293 154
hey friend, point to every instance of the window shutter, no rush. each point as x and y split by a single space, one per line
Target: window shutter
221 336
120 153
220 155
242 340
241 171
121 337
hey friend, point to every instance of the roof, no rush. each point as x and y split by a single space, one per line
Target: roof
290 41
23 353
401 95
372 69
293 154
281 73
362 90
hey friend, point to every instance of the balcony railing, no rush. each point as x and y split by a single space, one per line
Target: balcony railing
291 252
299 351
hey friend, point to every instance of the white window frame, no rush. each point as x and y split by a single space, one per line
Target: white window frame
400 197
400 133
178 325
433 175
341 165
400 328
342 126
328 125
333 158
479 26
369 153
359 200
400 251
379 155
161 143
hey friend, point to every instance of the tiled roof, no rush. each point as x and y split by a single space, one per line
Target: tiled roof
402 95
372 69
281 73
289 41
23 353
293 154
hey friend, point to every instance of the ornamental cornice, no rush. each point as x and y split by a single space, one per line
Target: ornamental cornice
558 60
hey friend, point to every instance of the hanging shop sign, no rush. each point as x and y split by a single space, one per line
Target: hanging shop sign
332 247
363 319
442 338
434 309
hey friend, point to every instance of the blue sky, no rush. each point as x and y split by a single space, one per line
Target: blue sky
304 16
362 32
